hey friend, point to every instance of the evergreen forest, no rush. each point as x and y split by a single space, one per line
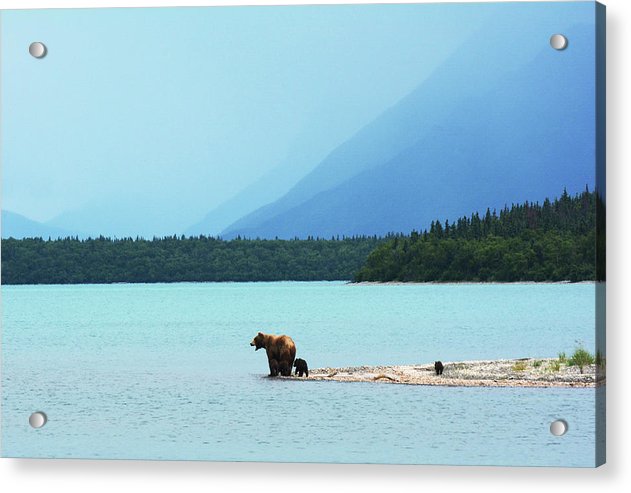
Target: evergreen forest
559 240
553 241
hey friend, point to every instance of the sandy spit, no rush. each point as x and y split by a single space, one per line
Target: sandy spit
525 372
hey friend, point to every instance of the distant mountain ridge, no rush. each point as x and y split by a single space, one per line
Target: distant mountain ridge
267 189
18 226
483 130
377 142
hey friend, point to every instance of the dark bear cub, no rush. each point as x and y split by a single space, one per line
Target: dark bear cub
438 366
301 367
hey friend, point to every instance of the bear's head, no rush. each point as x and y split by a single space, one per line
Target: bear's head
259 341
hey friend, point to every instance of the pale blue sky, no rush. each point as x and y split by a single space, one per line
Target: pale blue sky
162 114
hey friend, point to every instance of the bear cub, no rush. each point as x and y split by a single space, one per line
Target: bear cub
438 366
301 367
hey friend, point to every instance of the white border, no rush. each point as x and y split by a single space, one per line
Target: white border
54 476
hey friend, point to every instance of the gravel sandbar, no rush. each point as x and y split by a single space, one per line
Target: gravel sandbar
525 372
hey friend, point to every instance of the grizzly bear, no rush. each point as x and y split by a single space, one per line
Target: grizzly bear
438 367
301 367
281 352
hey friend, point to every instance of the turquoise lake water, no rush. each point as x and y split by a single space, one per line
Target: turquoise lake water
165 371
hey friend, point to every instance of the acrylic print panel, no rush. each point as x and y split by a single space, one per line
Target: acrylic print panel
411 195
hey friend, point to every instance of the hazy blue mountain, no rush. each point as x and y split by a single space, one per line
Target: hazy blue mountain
18 226
304 155
265 190
494 125
460 77
124 217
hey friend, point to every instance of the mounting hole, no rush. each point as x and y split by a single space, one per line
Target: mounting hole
37 49
558 428
37 419
558 42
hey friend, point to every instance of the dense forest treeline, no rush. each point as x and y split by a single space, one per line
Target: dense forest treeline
179 259
553 241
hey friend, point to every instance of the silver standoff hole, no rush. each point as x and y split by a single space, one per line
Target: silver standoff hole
37 419
37 49
558 42
558 428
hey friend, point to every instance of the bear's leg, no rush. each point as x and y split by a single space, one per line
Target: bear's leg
273 368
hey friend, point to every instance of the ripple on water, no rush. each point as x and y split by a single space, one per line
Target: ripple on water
167 372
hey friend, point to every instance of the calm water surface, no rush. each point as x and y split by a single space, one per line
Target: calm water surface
165 371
